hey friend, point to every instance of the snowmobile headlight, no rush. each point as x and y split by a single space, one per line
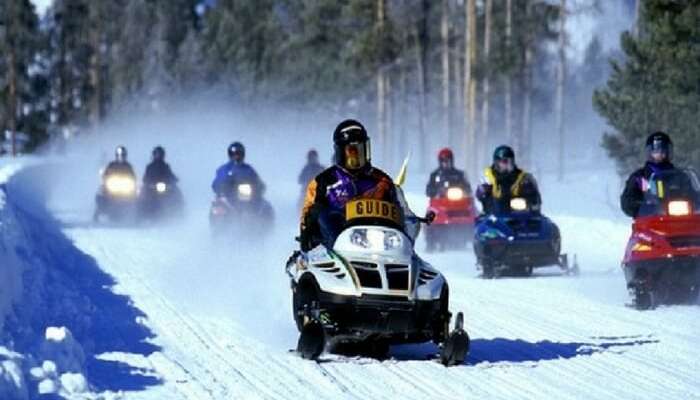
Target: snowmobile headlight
161 187
245 192
518 204
375 239
120 185
455 193
392 240
678 208
358 237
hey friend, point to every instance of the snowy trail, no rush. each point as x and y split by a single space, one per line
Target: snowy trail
221 315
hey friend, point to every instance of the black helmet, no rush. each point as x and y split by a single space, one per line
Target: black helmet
236 152
506 156
352 145
503 153
659 143
158 153
312 156
120 153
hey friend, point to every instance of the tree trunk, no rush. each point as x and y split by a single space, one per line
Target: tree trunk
11 77
421 106
486 94
381 110
509 78
458 95
95 69
561 81
470 87
525 139
445 35
12 96
389 126
637 16
422 53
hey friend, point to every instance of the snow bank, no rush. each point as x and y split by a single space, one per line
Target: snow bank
12 381
12 384
57 307
11 271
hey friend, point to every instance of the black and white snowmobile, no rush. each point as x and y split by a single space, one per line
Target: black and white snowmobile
116 198
372 289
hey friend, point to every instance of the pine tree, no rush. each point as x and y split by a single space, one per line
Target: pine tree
657 87
20 90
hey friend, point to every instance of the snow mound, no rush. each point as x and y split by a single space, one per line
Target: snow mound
58 311
12 385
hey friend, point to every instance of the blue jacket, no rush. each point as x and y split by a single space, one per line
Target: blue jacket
231 174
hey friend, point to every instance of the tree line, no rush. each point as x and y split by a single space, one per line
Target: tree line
464 73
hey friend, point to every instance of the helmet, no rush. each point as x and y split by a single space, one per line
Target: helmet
158 153
352 145
446 157
312 156
659 147
504 158
120 153
236 152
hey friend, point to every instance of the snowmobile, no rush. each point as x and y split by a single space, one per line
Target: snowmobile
516 240
662 259
371 289
454 222
243 210
116 198
160 200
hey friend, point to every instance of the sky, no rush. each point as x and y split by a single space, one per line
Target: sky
42 5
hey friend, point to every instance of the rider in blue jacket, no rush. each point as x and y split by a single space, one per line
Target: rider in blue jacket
236 172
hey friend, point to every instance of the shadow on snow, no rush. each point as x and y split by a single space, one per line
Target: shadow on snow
500 350
78 295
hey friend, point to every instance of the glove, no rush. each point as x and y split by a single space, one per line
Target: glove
484 191
644 185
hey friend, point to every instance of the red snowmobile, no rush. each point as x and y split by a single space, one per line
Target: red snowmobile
662 260
455 213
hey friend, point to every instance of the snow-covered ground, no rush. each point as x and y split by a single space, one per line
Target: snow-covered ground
175 315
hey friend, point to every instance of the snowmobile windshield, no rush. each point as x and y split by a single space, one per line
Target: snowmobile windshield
374 212
672 193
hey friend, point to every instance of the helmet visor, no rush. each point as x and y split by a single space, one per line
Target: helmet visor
237 155
445 162
505 165
659 151
355 155
120 154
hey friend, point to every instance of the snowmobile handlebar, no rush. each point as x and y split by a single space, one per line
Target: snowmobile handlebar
428 219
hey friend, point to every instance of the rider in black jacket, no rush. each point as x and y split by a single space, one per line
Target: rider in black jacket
446 174
659 148
158 170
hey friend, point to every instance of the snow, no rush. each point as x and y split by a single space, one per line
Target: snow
12 384
165 312
56 334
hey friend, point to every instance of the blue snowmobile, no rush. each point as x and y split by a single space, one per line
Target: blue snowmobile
515 239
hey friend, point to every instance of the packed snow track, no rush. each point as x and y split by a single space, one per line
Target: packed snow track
220 316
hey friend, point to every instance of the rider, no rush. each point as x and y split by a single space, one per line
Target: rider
234 172
311 169
503 180
446 173
158 170
120 165
659 149
351 177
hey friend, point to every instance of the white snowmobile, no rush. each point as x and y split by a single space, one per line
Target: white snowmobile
372 289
